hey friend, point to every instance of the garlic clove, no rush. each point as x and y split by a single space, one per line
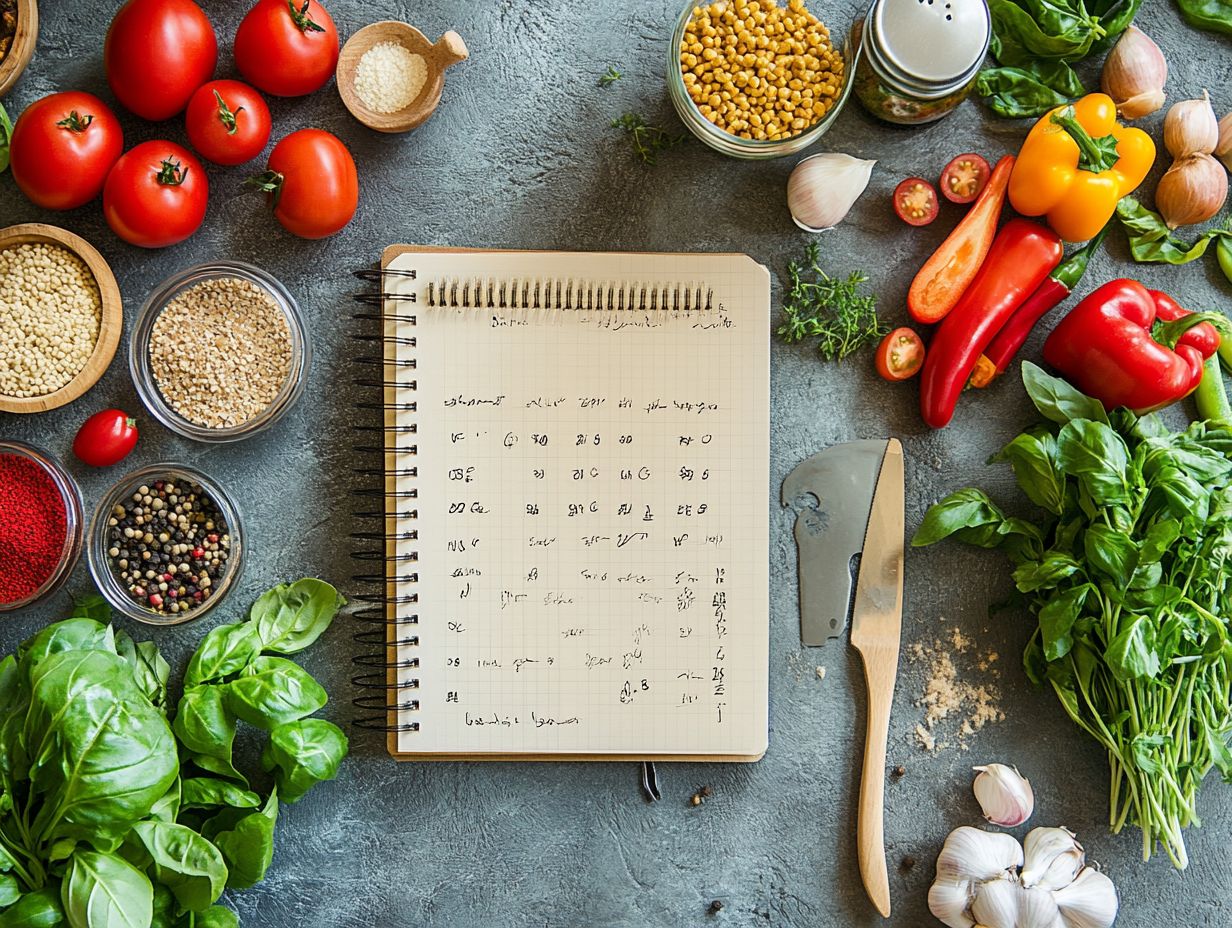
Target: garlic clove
1223 150
973 855
950 901
1193 190
1134 74
823 188
1090 901
997 904
1190 128
1037 908
1052 858
1004 795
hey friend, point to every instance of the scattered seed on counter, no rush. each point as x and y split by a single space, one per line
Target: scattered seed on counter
390 77
50 313
220 351
168 546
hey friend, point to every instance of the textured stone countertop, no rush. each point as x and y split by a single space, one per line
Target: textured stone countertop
520 155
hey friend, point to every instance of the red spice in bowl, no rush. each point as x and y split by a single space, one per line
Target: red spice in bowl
35 524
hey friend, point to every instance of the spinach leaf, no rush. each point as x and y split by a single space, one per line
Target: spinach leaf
185 862
291 617
1034 460
1098 457
226 651
104 891
208 793
1152 242
272 691
218 916
38 909
248 847
1056 400
1210 15
303 754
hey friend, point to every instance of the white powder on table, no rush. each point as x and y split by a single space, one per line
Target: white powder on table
389 77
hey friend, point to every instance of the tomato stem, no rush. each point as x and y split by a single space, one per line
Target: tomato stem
225 115
172 173
302 18
268 182
75 122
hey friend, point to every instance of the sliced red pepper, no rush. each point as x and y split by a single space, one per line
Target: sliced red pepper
1022 255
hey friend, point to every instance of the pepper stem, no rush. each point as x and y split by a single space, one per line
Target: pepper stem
75 122
302 18
172 173
1094 154
225 115
1169 333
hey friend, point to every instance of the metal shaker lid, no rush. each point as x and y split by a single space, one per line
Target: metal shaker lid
932 42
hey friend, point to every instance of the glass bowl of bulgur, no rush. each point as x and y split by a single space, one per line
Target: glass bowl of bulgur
220 352
754 79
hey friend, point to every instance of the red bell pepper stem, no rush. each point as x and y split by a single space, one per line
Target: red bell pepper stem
1013 335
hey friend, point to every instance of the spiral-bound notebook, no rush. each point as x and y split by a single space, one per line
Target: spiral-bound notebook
576 463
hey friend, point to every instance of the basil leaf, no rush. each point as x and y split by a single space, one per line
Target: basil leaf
1151 241
38 909
204 725
1111 553
1114 17
303 754
1144 748
10 890
1033 458
1016 93
272 691
248 846
291 617
104 891
1209 15
6 134
1057 400
207 792
1098 457
226 651
218 916
167 809
1217 747
185 862
91 607
963 509
1057 618
1131 655
1046 573
1040 29
69 635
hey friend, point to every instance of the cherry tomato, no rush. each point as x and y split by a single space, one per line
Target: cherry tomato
311 183
155 195
900 355
62 148
915 201
964 178
157 52
228 122
105 438
287 48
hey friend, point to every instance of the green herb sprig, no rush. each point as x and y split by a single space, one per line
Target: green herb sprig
610 77
647 140
830 309
6 133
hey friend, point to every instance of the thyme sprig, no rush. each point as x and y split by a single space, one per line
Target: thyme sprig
830 309
610 77
648 140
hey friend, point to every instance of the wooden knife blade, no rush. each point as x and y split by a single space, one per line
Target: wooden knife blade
876 625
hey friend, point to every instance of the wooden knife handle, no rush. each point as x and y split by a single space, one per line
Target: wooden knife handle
880 670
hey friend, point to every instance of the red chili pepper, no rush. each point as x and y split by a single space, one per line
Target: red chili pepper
1059 285
1107 347
1019 260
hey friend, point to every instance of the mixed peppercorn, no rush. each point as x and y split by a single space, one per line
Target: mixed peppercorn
168 544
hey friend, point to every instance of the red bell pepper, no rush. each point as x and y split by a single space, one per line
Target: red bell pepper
1060 283
1108 348
1019 260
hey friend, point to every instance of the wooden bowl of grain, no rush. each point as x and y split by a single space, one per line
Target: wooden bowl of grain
14 59
111 314
357 84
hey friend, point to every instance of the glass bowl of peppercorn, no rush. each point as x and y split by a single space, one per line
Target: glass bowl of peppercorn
756 80
41 520
165 544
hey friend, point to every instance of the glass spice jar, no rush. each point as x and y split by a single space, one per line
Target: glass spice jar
919 59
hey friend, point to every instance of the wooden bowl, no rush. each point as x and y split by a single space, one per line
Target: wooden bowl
22 48
110 323
446 52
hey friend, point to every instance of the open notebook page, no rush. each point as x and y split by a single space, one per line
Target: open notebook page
592 505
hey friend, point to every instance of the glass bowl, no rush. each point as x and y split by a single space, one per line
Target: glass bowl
750 149
97 543
143 373
74 519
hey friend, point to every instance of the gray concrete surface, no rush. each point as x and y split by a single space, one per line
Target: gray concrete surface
520 155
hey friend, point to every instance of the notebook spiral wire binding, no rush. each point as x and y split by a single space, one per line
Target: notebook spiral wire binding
386 517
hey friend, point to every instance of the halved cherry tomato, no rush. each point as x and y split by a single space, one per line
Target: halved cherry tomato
105 438
915 201
900 355
228 122
964 178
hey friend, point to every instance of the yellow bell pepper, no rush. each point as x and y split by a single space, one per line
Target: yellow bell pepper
1076 163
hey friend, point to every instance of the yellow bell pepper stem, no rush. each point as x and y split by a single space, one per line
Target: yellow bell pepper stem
1096 155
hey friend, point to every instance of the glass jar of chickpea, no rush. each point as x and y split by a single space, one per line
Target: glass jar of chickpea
753 79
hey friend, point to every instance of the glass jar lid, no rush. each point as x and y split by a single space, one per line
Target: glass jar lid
931 44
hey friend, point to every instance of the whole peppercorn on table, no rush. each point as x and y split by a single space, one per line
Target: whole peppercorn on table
521 154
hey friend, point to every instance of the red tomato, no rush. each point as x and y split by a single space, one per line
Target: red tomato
228 122
287 48
312 183
964 178
62 148
915 201
105 438
157 53
900 355
155 195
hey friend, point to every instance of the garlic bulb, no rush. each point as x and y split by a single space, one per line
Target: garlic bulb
1088 902
1193 190
822 189
949 902
1224 149
1053 858
978 856
1190 128
1004 795
1134 74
